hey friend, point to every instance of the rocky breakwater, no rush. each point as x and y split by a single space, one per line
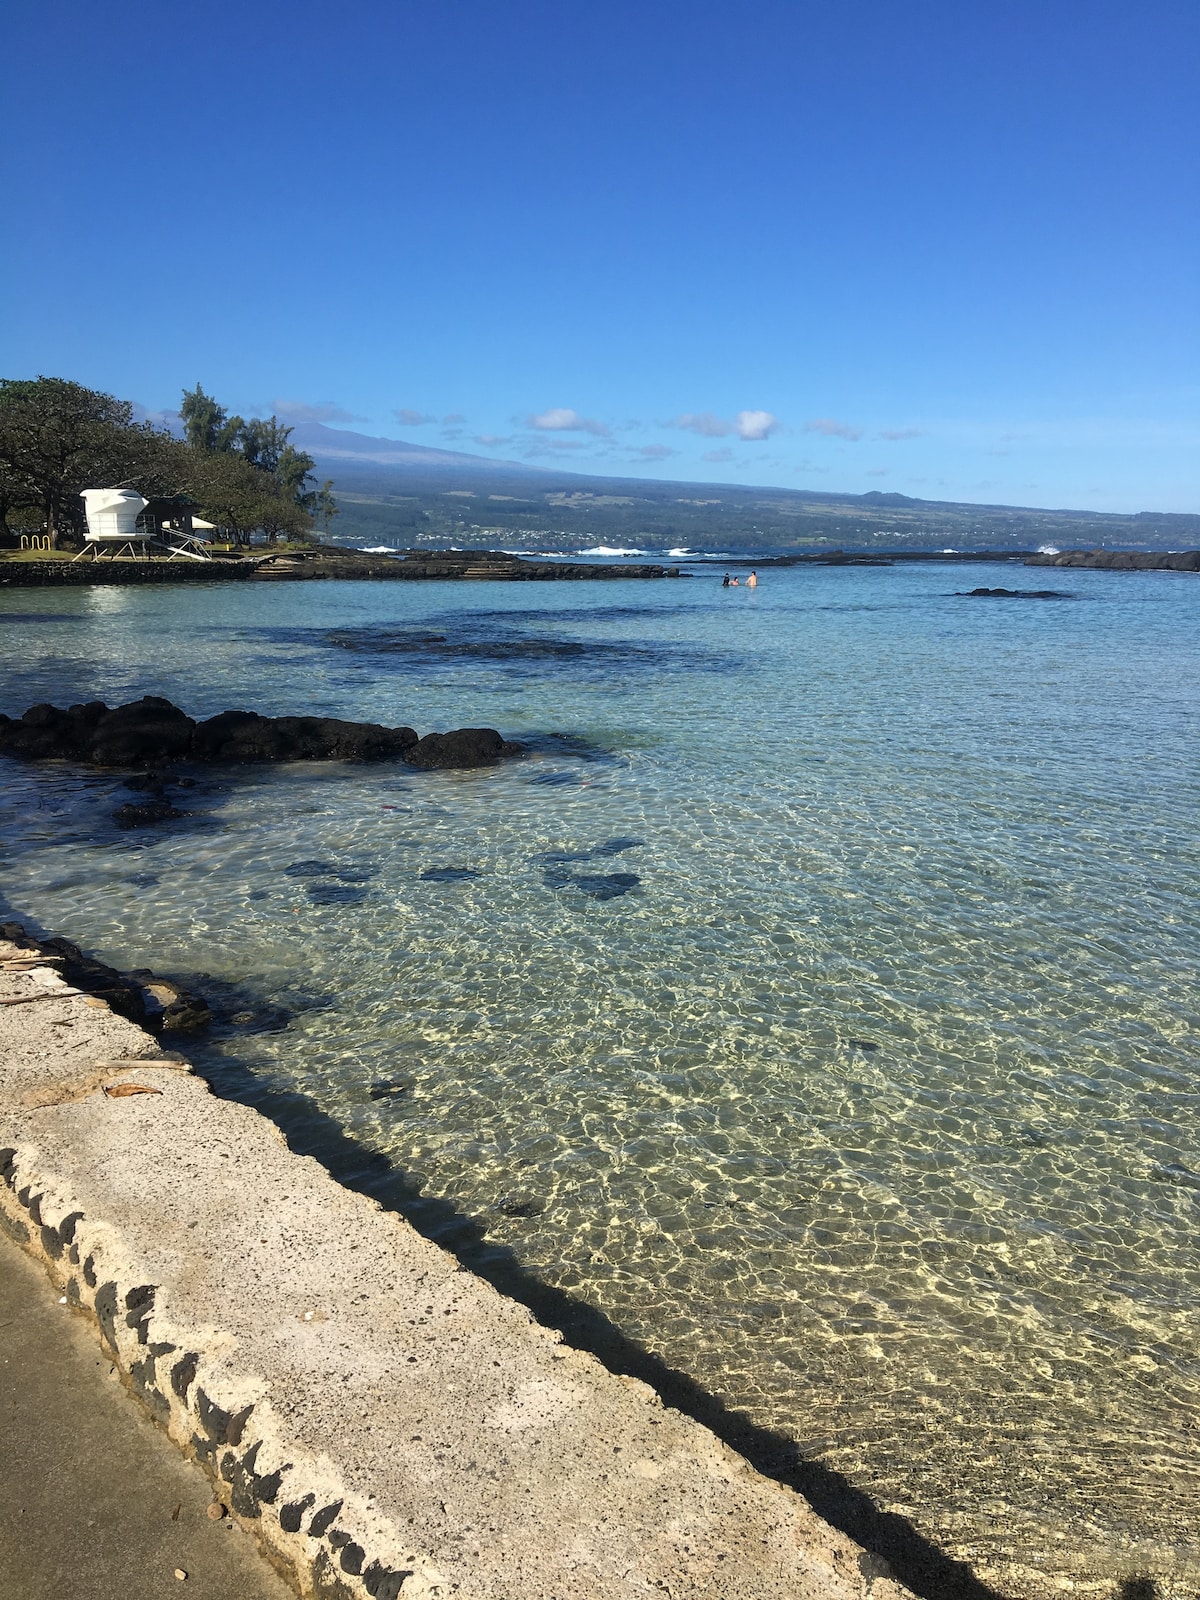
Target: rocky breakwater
53 574
151 731
327 561
1121 560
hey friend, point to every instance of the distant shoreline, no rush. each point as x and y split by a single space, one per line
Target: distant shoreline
1095 560
330 562
307 565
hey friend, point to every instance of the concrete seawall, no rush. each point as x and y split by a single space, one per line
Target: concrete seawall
83 574
387 1424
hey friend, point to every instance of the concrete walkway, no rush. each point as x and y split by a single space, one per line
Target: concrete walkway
96 1503
387 1424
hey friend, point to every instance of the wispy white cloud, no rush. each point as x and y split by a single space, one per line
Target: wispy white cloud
719 455
877 472
546 446
493 438
901 433
704 423
561 419
452 419
653 452
313 411
407 418
832 429
747 425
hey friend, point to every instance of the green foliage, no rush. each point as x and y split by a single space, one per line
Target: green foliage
240 497
58 438
207 425
261 444
326 507
497 508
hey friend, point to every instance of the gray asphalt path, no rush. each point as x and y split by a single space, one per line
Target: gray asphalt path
88 1485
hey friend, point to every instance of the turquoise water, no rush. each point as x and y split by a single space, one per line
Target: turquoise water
871 1101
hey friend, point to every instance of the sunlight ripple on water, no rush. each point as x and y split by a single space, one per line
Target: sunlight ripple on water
818 999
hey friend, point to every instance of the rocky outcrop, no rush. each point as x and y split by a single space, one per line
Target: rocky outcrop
246 736
140 813
1013 594
465 747
150 731
321 561
329 561
1122 560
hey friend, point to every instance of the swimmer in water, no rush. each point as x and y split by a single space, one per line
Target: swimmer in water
752 581
725 581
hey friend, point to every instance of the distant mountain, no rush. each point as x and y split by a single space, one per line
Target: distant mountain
331 445
394 492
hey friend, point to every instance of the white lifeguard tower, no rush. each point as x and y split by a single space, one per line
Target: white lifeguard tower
112 521
122 522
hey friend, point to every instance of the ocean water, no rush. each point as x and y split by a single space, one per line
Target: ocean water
818 998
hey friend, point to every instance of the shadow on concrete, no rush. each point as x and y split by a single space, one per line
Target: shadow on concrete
892 1545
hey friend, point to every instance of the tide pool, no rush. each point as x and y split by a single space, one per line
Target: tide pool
817 999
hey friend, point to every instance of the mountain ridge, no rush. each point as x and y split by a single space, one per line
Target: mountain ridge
393 490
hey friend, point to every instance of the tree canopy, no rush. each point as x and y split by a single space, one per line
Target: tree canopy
58 438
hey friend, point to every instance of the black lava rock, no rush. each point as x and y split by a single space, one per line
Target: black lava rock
150 731
138 816
1015 594
246 736
465 747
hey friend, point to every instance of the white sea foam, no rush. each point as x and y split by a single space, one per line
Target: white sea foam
610 550
378 550
1048 550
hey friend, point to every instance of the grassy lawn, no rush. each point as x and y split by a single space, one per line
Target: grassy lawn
36 555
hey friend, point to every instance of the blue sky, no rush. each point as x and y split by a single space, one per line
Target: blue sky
941 247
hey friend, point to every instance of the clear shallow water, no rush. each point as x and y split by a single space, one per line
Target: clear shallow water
872 1103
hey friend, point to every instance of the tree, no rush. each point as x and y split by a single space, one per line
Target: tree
243 498
262 443
326 506
58 438
206 425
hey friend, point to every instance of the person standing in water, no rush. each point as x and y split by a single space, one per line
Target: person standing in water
752 581
725 581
